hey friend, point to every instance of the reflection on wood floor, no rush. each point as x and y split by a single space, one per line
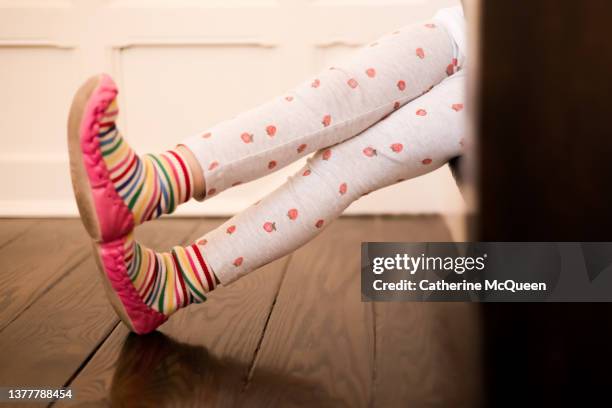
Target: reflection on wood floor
294 333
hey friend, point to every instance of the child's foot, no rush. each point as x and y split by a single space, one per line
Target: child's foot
115 188
145 287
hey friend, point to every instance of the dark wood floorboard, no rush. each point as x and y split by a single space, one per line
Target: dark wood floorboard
432 347
212 345
92 385
320 336
294 333
47 343
36 260
12 228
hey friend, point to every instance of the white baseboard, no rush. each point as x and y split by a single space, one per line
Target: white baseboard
40 187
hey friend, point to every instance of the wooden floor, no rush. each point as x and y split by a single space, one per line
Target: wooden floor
294 333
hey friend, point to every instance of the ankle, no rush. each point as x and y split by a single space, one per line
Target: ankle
152 184
199 183
171 280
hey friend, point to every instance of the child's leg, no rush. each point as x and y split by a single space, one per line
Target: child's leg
420 137
337 104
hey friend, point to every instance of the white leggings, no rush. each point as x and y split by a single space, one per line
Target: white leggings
379 114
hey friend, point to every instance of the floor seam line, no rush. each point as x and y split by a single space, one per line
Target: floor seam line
19 235
87 359
252 365
374 355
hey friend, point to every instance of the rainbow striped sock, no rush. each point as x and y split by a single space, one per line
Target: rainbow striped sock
151 185
170 280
